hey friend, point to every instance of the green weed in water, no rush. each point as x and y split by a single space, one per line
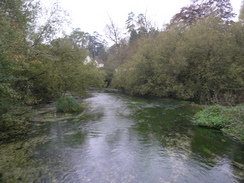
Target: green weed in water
68 105
213 117
229 119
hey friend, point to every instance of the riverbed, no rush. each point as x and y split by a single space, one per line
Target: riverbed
124 139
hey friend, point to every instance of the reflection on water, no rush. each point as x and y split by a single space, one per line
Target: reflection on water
127 139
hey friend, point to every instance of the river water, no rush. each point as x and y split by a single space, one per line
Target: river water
125 139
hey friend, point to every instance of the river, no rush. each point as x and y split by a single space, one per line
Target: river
124 139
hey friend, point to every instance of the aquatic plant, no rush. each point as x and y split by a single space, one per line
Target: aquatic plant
213 117
229 119
68 105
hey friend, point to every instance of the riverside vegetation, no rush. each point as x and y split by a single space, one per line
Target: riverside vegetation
68 105
230 120
198 56
37 66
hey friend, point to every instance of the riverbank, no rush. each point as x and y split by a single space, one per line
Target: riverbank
48 113
230 120
18 124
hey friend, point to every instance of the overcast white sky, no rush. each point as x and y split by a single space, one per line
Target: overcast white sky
92 15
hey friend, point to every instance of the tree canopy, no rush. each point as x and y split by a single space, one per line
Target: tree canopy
198 56
203 8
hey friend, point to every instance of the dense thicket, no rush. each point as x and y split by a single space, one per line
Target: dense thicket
203 61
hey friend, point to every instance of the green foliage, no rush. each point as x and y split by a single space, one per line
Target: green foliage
241 14
229 119
14 123
15 20
153 69
199 62
208 51
214 117
66 71
35 67
31 71
130 76
236 128
203 8
68 105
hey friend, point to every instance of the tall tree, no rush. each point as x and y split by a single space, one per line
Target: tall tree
50 25
130 22
95 44
16 16
203 8
68 66
79 37
15 19
241 15
113 33
138 26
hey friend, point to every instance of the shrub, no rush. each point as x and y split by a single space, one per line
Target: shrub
214 117
14 125
236 128
229 119
67 105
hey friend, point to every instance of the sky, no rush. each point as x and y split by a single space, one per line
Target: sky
93 15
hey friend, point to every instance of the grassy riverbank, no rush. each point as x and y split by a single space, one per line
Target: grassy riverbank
230 120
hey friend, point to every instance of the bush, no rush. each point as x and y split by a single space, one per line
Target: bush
229 119
14 124
67 105
236 128
214 117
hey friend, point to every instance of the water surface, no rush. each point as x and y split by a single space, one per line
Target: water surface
125 139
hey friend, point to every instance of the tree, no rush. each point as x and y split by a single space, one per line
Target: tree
241 15
80 38
203 8
16 17
65 71
209 50
95 44
138 27
144 25
34 66
130 22
153 68
202 62
37 54
114 34
49 26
